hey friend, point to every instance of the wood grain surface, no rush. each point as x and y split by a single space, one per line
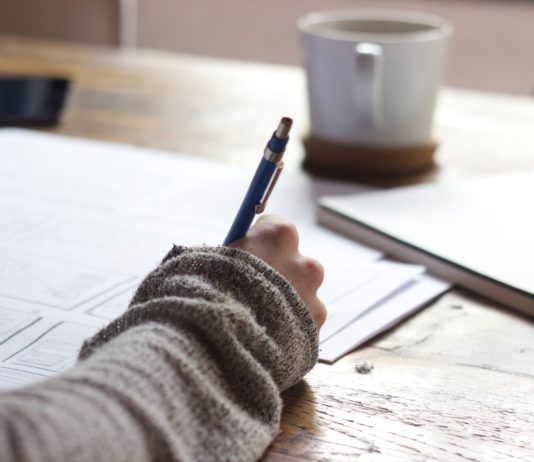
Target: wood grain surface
455 382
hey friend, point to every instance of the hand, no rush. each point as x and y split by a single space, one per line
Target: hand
275 241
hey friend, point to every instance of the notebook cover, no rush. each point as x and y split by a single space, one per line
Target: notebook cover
478 234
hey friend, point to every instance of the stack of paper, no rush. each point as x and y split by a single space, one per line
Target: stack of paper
82 222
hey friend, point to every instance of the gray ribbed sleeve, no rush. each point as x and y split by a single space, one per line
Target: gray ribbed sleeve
192 371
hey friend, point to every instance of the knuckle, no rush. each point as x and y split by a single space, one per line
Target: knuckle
321 314
285 233
313 270
277 231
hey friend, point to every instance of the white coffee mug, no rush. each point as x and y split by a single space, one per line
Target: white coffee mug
373 76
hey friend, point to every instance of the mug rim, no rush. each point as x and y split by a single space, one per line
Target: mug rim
439 27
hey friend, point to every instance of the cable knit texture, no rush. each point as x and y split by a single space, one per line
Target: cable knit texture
192 371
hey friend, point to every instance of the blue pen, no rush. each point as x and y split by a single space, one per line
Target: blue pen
263 182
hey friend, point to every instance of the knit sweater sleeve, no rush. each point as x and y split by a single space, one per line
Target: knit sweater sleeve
192 371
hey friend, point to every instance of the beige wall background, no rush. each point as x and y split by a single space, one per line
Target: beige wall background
492 48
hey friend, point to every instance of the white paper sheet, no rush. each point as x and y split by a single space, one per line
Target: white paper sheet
375 282
37 341
382 316
82 222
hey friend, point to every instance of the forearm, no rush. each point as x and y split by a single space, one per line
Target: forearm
192 371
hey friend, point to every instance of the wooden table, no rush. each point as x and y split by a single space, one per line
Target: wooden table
454 382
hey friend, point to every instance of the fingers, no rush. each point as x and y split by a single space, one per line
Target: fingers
312 271
318 312
307 276
272 239
277 232
276 241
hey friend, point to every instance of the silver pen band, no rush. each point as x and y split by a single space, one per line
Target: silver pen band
271 156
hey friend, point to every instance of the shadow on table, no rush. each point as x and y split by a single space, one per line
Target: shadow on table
299 427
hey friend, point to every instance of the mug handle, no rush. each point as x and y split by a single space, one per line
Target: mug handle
368 82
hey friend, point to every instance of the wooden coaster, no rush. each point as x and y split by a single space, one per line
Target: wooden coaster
326 158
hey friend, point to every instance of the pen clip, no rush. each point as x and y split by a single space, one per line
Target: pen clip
261 206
